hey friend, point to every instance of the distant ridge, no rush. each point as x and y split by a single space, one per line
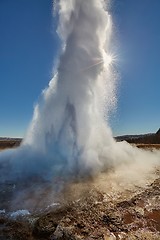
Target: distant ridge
9 138
158 132
132 137
150 138
6 142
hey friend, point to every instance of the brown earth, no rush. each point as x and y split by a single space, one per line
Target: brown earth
95 216
148 146
9 143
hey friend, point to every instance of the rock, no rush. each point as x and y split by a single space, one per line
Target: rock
125 204
122 236
62 233
110 237
58 234
45 226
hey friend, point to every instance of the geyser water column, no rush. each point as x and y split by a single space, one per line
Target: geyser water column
69 128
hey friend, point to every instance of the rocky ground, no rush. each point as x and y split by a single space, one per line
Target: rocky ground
104 208
98 217
129 213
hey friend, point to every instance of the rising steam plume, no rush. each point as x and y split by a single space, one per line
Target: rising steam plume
69 133
69 126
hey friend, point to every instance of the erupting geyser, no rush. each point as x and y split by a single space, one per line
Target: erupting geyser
69 133
68 127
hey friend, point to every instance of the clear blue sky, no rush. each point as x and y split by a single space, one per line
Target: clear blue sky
29 46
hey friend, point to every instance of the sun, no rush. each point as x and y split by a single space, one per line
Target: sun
110 59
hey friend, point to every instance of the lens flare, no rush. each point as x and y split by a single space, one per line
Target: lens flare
110 59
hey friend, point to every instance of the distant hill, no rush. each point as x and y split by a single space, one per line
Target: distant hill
6 142
150 138
8 139
158 132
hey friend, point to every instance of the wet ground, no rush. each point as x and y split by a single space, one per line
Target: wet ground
108 207
91 213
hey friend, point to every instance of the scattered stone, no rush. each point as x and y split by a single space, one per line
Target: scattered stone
13 230
45 226
92 218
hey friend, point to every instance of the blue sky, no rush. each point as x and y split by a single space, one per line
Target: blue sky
29 46
138 33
